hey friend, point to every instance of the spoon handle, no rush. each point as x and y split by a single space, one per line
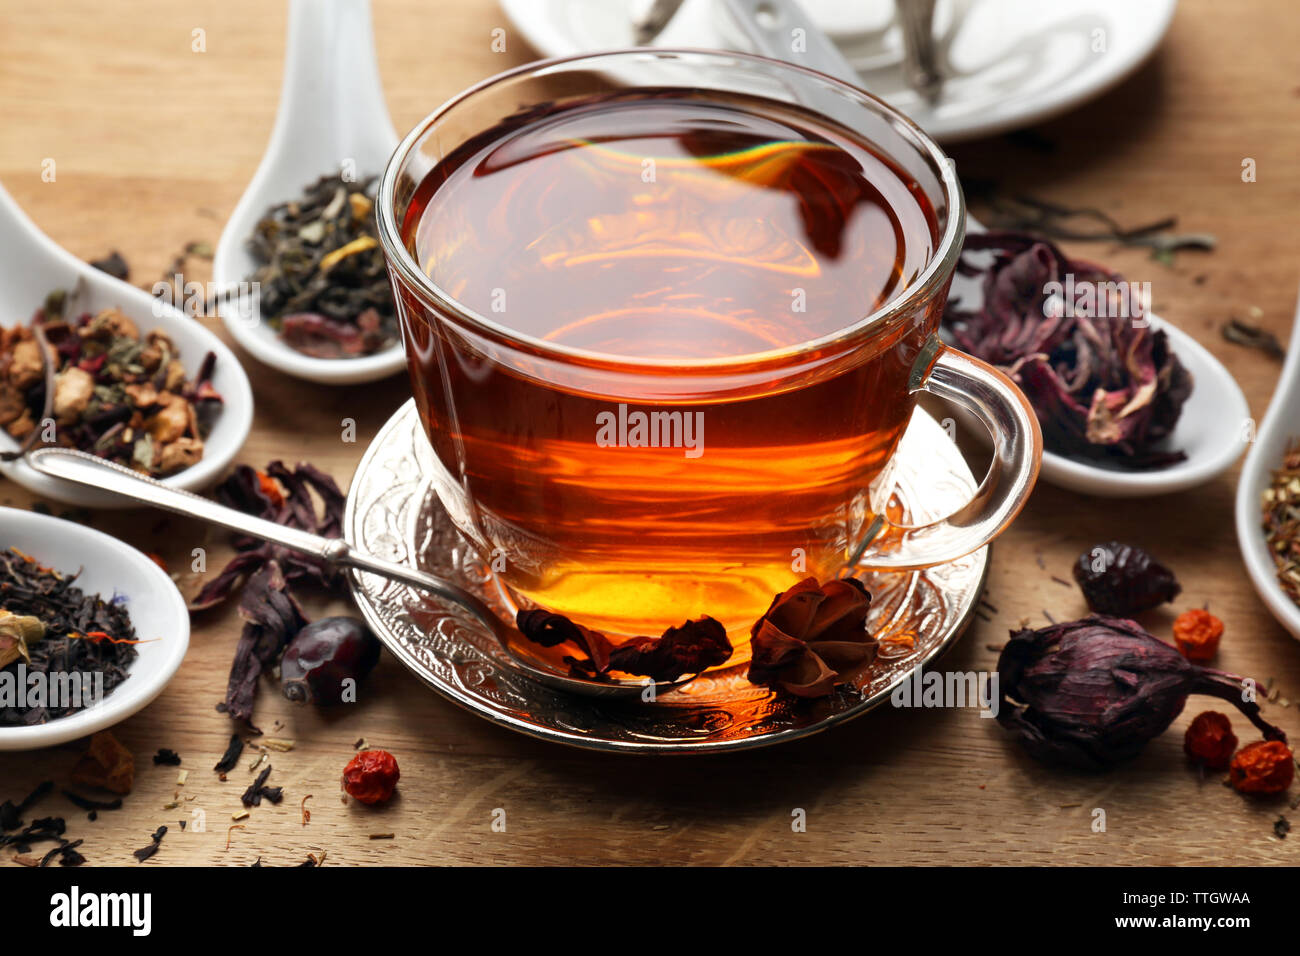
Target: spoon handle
84 469
767 25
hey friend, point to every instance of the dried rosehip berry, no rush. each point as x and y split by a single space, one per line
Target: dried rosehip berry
1266 766
371 776
323 655
1197 634
1210 740
1123 580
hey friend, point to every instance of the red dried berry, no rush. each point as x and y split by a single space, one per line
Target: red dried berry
1264 767
1197 634
371 776
1210 740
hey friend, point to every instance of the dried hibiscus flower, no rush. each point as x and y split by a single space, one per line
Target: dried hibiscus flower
693 647
1103 383
271 620
285 497
811 636
1123 580
1092 693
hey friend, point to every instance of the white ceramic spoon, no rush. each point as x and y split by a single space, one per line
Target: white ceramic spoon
1280 428
332 116
1212 429
32 266
108 567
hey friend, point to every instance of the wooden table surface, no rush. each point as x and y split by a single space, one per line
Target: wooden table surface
153 145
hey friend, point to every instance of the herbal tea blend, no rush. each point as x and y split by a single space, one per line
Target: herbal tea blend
1280 504
107 388
1103 383
323 284
50 628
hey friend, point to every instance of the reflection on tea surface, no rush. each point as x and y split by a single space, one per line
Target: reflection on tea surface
671 227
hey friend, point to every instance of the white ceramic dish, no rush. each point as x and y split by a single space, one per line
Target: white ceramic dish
332 116
1012 62
32 266
1212 430
109 567
1281 426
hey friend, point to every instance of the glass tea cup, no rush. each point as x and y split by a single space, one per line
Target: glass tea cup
630 461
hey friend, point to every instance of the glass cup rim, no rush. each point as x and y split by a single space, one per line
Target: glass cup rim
935 274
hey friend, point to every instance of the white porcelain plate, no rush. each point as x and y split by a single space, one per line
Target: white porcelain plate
1011 62
108 567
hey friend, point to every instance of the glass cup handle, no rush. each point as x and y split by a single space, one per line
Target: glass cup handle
1017 448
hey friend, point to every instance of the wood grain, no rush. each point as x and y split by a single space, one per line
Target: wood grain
154 144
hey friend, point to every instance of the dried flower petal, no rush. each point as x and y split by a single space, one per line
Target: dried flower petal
272 618
1123 580
691 648
260 494
811 636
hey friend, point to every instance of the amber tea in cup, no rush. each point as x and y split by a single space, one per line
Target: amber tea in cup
664 338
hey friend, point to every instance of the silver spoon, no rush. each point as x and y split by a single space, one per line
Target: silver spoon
651 23
85 469
920 57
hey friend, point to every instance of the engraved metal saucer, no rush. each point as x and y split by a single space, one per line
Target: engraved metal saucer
393 512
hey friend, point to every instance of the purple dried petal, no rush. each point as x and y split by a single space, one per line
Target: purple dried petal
1106 386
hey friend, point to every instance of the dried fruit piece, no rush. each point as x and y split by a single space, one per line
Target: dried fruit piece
106 763
1264 767
1197 634
1123 580
1210 740
324 655
371 776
